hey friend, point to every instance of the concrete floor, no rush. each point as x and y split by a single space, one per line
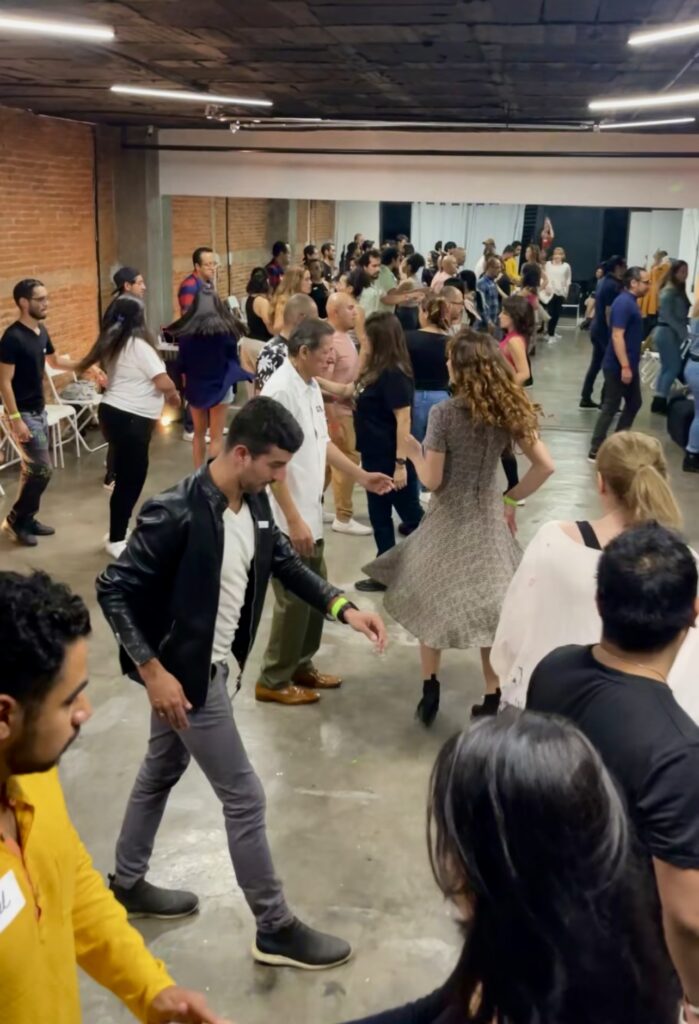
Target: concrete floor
346 779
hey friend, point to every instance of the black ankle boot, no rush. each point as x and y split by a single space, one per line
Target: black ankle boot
429 705
691 462
659 405
490 705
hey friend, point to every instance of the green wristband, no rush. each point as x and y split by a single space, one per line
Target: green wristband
509 501
15 416
337 606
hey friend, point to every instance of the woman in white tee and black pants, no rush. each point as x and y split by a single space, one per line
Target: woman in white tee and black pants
138 383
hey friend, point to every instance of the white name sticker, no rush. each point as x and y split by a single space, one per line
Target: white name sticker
263 524
12 900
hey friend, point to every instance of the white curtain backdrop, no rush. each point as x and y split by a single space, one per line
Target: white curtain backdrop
352 216
466 224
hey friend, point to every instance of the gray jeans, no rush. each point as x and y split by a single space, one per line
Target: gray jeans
35 470
212 739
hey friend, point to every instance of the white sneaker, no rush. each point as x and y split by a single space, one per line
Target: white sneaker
354 528
521 503
425 497
187 435
115 548
328 517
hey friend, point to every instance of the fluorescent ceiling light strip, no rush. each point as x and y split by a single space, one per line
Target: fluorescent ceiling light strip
638 102
664 35
187 97
645 124
61 29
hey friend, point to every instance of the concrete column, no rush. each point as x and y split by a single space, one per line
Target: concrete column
144 224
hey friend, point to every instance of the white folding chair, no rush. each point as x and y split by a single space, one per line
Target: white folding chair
85 409
573 302
60 416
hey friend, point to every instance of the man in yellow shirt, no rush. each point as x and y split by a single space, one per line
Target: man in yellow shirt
55 910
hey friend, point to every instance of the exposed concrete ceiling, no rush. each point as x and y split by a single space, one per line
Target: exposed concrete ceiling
513 61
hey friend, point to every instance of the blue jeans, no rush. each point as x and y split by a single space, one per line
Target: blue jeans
691 375
422 403
668 347
35 470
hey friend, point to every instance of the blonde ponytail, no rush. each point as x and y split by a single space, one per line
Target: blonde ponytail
634 469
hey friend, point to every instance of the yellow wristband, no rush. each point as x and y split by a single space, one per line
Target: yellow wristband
15 415
337 606
509 501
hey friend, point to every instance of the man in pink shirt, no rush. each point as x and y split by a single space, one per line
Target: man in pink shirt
344 369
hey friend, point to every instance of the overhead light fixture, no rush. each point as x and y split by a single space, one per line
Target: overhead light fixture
59 29
187 97
645 124
664 35
668 99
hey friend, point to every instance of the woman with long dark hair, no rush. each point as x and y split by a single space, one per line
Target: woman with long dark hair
137 384
447 582
670 334
208 336
529 839
383 396
258 313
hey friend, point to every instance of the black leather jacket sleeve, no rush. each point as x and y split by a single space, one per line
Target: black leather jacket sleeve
291 572
151 557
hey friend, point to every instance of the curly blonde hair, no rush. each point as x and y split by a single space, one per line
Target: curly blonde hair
484 384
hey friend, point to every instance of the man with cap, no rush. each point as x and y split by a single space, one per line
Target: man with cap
488 250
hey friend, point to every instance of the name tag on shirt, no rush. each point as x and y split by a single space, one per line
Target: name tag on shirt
12 900
263 524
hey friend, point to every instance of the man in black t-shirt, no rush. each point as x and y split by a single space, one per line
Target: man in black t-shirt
24 348
616 692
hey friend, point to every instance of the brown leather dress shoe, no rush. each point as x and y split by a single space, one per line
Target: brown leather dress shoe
286 695
316 680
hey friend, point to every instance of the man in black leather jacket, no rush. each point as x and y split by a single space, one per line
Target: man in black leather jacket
189 590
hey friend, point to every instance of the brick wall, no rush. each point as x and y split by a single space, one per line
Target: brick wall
47 213
253 225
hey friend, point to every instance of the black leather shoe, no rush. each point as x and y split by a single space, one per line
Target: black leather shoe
690 463
146 900
297 945
429 705
490 705
19 534
39 529
587 403
370 586
659 405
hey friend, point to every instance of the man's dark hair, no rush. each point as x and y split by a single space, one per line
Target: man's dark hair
308 251
311 332
326 247
646 588
198 253
367 255
24 289
448 246
632 274
402 238
414 262
389 255
262 424
278 248
367 244
613 262
455 282
531 275
38 619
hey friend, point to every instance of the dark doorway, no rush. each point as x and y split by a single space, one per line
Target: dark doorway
394 219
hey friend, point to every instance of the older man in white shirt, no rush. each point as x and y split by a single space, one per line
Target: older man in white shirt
288 674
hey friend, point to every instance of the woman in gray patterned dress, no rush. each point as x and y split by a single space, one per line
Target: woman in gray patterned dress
447 581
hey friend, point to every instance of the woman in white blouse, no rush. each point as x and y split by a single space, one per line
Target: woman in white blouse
551 599
559 276
137 385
